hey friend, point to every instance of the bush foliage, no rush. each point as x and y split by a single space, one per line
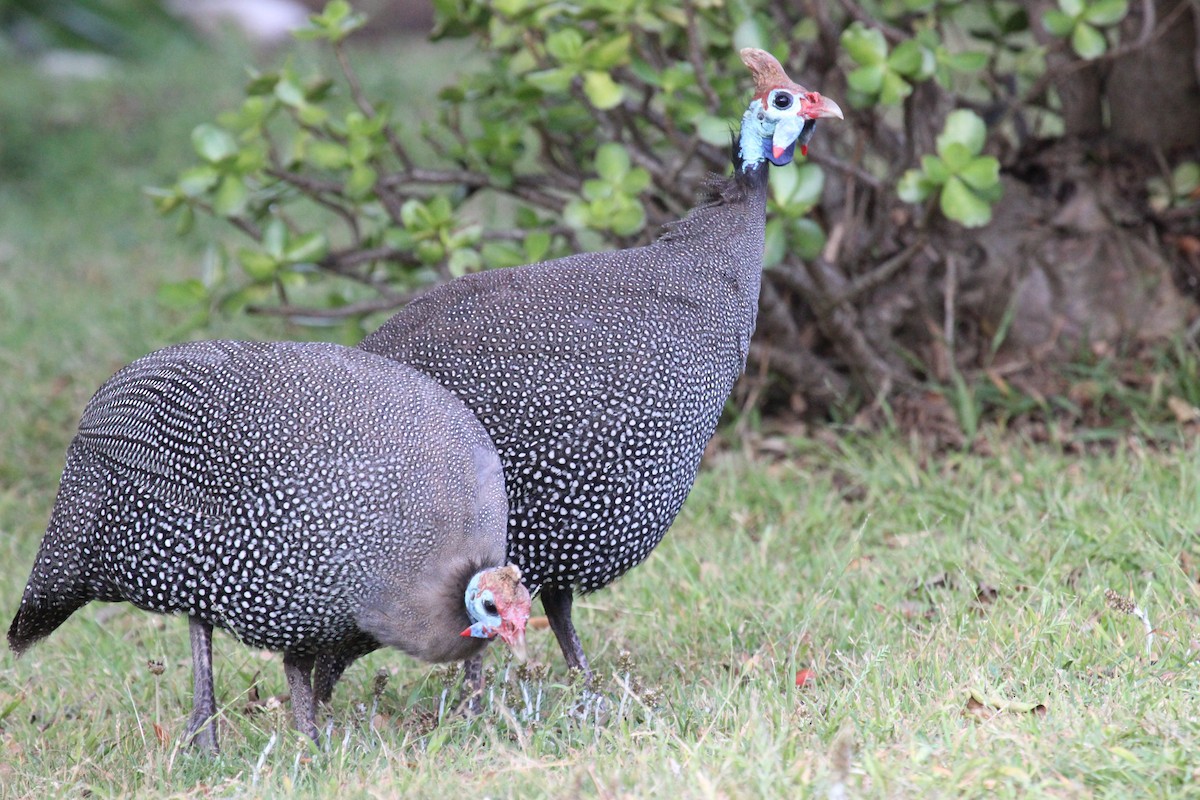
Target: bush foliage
594 122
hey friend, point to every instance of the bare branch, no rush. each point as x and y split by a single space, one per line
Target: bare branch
365 106
699 66
335 313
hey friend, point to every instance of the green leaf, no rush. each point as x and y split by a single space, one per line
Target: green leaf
463 261
413 215
537 245
1057 23
911 59
565 45
430 251
328 155
981 173
612 162
636 181
212 143
612 53
956 156
289 93
186 220
313 116
962 205
970 61
196 181
1106 12
257 265
335 11
361 181
1186 178
553 81
601 90
498 255
894 89
1072 8
399 238
865 45
262 84
964 127
867 80
165 200
1088 42
935 169
809 238
230 199
275 238
750 33
798 189
308 248
913 187
714 130
628 220
184 295
775 247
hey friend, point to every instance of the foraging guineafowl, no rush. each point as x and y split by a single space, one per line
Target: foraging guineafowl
309 498
601 376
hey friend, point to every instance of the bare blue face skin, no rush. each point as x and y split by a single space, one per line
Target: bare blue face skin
777 122
481 608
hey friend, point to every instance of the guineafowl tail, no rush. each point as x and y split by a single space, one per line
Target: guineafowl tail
58 584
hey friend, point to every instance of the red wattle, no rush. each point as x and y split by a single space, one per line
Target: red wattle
776 151
804 150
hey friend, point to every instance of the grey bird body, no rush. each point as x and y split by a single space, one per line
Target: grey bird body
601 376
308 498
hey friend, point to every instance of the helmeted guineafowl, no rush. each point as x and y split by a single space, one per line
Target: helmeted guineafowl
601 376
309 498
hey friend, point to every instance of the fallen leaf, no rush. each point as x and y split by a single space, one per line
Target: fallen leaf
538 623
161 734
980 706
1184 411
986 593
1187 563
899 541
805 677
942 580
748 662
859 562
911 609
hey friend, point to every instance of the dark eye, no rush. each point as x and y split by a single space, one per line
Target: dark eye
781 100
490 608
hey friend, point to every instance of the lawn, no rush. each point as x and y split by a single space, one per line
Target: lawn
858 619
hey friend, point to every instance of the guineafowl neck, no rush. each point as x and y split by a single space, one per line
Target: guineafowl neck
724 237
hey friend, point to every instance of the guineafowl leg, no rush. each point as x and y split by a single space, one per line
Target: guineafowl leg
298 670
557 603
202 726
471 702
329 667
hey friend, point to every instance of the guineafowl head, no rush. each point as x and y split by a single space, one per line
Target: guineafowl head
498 605
782 113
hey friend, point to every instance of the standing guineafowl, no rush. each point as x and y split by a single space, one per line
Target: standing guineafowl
601 376
309 498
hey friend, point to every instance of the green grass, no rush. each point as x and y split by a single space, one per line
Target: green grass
905 584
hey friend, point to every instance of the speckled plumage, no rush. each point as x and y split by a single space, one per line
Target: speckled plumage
601 376
309 498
